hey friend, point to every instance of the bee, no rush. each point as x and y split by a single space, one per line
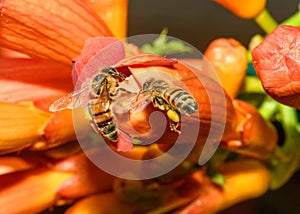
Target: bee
172 99
102 89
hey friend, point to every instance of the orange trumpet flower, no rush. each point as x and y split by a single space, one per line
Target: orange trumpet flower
44 31
254 9
243 9
52 33
276 61
229 59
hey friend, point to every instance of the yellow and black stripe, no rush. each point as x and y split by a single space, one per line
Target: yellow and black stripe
102 116
180 100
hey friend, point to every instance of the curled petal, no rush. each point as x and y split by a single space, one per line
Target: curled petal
59 129
97 53
276 61
145 59
257 137
87 178
54 30
21 125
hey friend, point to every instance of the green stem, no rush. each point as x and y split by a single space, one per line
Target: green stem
289 116
285 169
289 160
266 21
253 85
293 20
290 122
268 108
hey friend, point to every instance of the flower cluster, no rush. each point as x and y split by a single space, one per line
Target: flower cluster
40 155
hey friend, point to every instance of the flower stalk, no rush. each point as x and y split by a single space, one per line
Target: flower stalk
255 10
286 159
265 20
293 20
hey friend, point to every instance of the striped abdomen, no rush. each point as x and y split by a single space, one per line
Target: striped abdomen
103 118
181 100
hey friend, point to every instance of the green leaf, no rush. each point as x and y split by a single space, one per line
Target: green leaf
218 179
162 45
286 159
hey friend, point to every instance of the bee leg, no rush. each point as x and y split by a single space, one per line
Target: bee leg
173 127
121 89
138 96
159 103
174 117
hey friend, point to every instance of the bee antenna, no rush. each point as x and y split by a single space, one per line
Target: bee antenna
122 76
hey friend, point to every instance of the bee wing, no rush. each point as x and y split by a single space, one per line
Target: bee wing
68 101
140 101
104 96
122 102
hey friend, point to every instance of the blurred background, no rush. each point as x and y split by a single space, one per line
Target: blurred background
198 22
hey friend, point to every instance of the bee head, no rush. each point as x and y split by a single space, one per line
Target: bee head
113 73
110 71
96 83
147 84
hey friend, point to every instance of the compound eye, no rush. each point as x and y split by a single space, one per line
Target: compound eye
108 70
112 71
147 84
97 78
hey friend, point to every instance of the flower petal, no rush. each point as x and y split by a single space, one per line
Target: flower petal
49 29
59 129
31 79
257 137
9 164
87 178
21 125
30 191
97 53
114 13
101 203
276 61
239 174
229 59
